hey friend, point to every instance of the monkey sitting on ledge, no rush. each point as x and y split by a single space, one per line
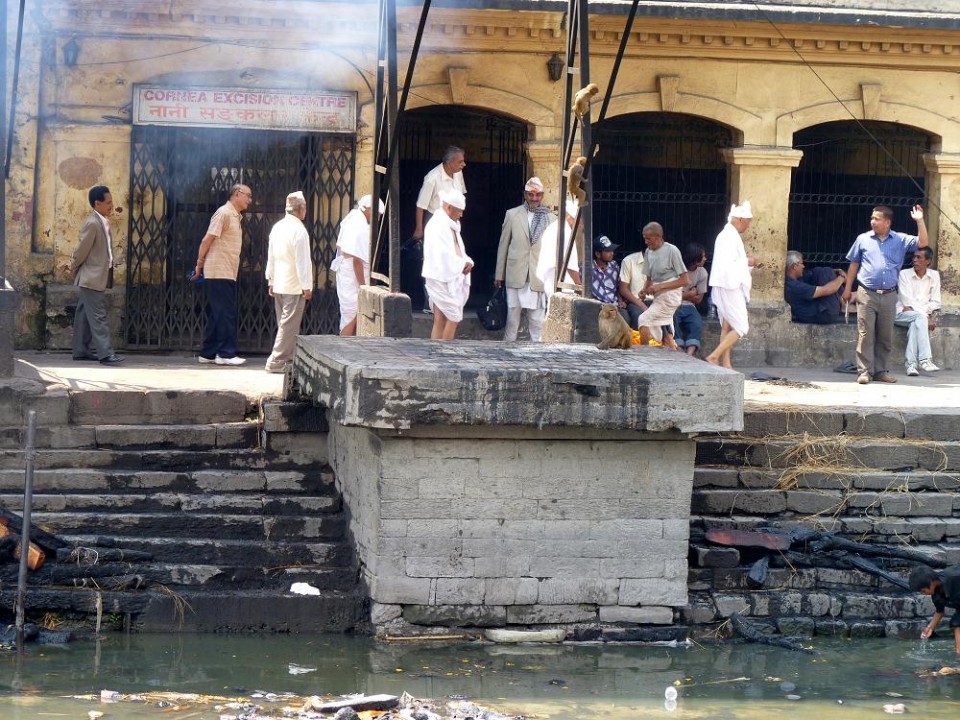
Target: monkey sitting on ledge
614 330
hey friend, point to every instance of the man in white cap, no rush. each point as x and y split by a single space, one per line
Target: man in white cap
547 262
448 175
517 257
352 263
730 283
446 265
289 279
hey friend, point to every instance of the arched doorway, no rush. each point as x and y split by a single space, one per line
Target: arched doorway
179 177
660 166
848 168
495 173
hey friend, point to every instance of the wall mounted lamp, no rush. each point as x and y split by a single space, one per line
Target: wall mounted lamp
71 53
555 67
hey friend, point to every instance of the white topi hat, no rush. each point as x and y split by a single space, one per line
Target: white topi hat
298 195
534 183
454 198
740 211
367 201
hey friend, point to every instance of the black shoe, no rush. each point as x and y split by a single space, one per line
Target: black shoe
111 360
88 356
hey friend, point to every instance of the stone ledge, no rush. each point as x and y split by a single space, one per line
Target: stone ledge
395 383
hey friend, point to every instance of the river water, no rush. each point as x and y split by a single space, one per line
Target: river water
845 679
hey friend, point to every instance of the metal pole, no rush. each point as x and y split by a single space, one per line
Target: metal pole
566 139
16 83
586 146
378 133
30 454
393 182
3 133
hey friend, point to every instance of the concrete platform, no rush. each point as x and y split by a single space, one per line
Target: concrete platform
180 371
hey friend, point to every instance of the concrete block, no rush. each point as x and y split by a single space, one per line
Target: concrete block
629 530
873 629
564 567
444 486
399 590
576 548
876 423
456 615
829 627
295 416
796 626
615 568
381 614
813 503
550 614
563 591
381 313
817 605
759 502
637 615
753 479
461 591
699 612
439 529
720 557
308 445
643 591
431 546
511 591
727 605
439 566
903 629
715 478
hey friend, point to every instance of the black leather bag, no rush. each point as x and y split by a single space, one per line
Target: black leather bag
493 316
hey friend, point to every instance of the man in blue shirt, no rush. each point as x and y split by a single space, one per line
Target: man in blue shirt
875 260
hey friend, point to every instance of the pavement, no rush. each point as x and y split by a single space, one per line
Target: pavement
799 387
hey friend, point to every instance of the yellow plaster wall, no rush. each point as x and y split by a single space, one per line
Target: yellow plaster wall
72 123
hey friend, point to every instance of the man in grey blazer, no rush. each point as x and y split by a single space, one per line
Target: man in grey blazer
92 266
517 257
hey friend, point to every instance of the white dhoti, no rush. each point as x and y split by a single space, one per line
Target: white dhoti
731 308
348 292
518 300
660 312
449 297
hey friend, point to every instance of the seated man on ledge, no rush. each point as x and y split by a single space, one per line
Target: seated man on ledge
814 295
918 302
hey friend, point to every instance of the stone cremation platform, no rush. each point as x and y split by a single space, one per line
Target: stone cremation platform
516 484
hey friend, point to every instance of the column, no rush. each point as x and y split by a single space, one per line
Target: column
762 176
545 164
943 193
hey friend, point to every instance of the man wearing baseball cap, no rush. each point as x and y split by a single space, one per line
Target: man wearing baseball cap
606 272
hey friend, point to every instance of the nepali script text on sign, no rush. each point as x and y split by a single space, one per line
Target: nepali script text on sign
262 109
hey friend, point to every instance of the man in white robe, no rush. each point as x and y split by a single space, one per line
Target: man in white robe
547 262
352 263
446 265
730 283
289 279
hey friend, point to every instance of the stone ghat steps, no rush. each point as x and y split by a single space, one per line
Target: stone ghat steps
867 454
201 436
234 553
117 406
205 610
213 525
178 576
189 504
925 425
169 460
317 482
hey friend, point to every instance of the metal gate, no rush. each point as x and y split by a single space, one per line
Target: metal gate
843 175
179 177
664 167
495 174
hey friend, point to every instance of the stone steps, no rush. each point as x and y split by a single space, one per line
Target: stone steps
195 525
873 477
317 482
231 515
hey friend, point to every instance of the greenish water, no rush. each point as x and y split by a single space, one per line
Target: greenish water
846 679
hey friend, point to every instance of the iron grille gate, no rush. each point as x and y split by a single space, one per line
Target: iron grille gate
496 163
179 177
843 175
664 167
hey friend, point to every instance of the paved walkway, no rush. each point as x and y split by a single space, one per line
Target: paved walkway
180 371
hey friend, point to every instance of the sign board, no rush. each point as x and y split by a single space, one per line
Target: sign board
246 109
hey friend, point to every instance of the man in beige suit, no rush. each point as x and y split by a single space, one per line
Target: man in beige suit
517 258
92 267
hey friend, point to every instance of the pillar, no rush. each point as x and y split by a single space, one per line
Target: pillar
943 193
545 164
762 176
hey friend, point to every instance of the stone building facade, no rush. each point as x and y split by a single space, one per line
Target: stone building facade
814 115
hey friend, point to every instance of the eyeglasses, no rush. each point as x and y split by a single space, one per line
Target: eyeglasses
249 195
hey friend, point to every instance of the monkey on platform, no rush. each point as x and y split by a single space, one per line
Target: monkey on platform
614 330
575 179
581 101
